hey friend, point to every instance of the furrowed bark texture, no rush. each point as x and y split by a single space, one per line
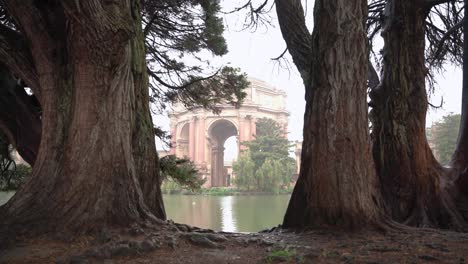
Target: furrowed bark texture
459 162
337 185
460 156
409 173
19 116
97 163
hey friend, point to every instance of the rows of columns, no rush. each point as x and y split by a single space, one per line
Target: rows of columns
197 145
247 130
196 140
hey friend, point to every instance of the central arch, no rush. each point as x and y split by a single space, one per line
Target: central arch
218 132
199 134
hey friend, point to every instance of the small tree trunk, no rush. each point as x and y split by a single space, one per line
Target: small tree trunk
337 185
19 117
97 163
409 173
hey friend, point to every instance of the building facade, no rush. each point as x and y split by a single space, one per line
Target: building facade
200 134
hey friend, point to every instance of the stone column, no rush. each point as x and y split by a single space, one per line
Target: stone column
217 166
253 128
242 133
221 176
201 141
192 139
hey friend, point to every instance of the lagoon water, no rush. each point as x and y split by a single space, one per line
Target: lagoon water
248 213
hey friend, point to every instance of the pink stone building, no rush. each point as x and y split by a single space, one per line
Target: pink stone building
200 134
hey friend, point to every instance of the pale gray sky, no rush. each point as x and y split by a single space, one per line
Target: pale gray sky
252 52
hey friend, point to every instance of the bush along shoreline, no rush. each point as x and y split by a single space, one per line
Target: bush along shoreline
220 191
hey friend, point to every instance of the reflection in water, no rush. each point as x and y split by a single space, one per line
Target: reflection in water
250 213
228 223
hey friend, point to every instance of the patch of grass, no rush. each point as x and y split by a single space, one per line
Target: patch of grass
284 255
170 187
219 191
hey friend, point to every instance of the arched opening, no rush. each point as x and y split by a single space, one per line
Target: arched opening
219 132
231 150
182 143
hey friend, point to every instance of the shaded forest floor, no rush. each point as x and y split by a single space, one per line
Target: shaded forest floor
175 243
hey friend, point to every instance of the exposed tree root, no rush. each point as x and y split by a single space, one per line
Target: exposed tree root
442 209
29 215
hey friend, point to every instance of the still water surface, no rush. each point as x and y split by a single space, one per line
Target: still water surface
227 213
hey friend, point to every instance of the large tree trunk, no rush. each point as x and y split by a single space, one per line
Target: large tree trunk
337 185
19 116
460 156
459 162
97 163
409 173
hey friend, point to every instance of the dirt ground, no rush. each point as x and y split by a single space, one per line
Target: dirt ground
176 243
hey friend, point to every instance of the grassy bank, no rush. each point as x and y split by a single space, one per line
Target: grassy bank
222 191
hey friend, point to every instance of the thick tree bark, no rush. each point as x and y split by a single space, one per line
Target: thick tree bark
459 162
460 156
97 164
409 173
19 116
337 185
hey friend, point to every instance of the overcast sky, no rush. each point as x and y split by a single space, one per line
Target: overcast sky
252 52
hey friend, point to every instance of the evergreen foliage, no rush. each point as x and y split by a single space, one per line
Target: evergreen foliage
12 176
177 172
266 165
176 32
444 136
244 168
6 162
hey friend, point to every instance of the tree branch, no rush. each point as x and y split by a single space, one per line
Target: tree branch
296 34
372 76
182 86
432 3
446 36
281 55
19 116
14 53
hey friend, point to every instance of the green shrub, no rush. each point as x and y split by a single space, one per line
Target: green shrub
13 178
179 174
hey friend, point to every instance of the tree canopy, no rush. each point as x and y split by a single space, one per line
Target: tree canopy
266 165
443 135
181 171
176 31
